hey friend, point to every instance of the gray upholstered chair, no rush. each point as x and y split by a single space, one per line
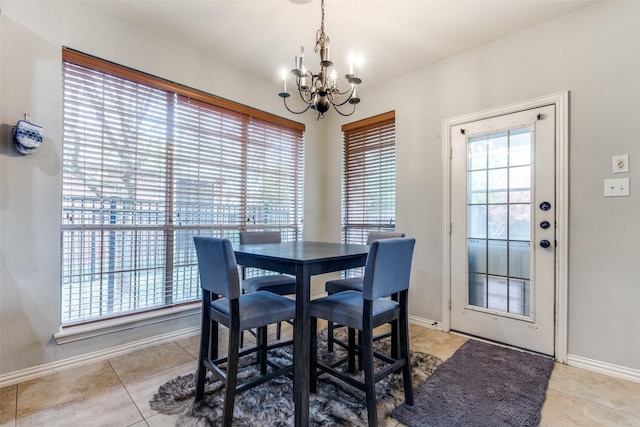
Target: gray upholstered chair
277 283
353 284
223 303
387 272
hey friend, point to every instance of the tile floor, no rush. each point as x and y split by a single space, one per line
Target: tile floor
115 392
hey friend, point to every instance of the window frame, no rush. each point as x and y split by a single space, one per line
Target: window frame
253 117
360 137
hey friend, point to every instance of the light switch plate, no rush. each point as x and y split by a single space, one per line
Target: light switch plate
616 187
621 163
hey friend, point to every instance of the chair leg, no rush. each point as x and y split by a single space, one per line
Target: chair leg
243 291
330 332
395 347
213 343
313 359
278 330
330 337
205 337
232 376
360 366
262 352
366 354
406 355
351 350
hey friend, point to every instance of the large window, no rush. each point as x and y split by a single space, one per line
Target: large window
369 180
148 164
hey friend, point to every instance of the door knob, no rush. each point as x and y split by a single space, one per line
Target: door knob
544 225
545 243
545 206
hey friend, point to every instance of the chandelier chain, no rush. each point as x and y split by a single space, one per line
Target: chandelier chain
321 36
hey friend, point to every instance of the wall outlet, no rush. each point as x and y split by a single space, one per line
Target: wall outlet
616 187
621 163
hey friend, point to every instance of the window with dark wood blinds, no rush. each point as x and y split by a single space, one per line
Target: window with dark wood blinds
369 178
148 164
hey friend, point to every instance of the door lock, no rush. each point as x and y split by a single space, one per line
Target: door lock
545 206
545 224
545 243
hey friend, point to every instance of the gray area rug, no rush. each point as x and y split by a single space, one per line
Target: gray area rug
481 385
271 404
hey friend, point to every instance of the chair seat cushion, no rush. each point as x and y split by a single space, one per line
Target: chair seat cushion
276 283
346 308
256 309
341 285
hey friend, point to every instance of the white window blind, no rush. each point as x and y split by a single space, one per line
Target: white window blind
369 180
145 168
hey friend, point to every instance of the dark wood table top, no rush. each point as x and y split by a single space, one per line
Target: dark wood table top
302 251
320 257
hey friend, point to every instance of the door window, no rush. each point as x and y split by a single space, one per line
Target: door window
499 221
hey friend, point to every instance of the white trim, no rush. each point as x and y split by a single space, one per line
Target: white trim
50 368
90 330
427 323
85 359
604 368
446 226
561 102
562 224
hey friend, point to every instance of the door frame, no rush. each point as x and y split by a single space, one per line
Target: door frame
561 102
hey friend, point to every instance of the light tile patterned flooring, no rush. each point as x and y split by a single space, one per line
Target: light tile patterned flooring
116 392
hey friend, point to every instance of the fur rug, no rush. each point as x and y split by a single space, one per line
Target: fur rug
271 404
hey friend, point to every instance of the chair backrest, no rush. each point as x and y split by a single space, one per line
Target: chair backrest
388 267
253 237
378 235
217 266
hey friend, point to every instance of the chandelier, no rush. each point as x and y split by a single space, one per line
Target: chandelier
320 91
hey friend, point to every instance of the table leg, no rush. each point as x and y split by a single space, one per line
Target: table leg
301 347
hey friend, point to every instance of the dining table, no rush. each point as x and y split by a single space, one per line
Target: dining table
302 259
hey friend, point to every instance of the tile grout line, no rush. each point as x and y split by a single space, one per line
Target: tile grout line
124 386
600 404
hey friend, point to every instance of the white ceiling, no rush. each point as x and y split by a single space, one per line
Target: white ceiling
393 36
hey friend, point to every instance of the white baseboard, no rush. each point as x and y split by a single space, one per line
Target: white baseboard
427 323
73 362
604 368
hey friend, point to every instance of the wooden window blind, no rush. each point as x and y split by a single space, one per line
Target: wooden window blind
369 178
148 164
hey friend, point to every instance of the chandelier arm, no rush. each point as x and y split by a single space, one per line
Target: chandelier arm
342 103
347 91
295 112
306 99
335 107
307 94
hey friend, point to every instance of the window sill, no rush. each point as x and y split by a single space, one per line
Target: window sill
80 332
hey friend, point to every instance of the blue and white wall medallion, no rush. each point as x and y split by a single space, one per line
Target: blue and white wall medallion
27 137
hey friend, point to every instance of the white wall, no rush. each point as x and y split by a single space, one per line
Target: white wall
594 53
32 35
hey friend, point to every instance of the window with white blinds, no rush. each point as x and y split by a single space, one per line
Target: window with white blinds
148 164
369 178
